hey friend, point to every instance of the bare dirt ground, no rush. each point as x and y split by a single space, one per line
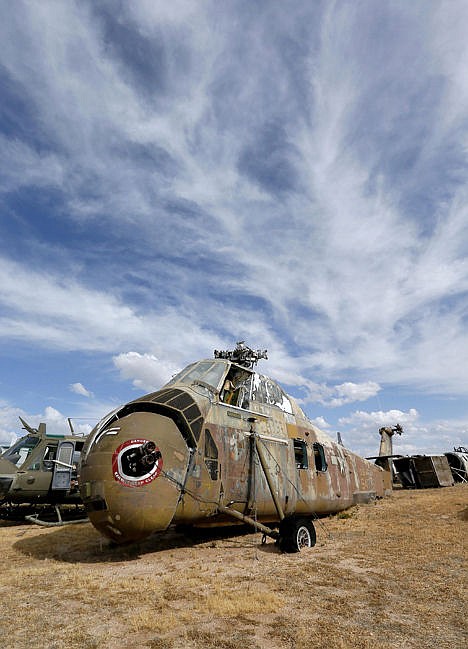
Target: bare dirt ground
392 574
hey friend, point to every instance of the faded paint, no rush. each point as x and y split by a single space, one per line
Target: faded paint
458 462
207 435
41 468
423 471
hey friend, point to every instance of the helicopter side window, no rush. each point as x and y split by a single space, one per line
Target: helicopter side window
211 455
49 456
300 454
319 455
64 461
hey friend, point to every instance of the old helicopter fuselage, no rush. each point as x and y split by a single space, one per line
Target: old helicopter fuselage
41 468
218 442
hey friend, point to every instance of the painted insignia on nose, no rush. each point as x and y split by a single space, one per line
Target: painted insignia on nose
136 462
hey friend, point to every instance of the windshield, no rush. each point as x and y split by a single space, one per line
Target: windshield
210 372
19 452
178 377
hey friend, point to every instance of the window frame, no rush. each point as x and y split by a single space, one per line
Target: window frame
210 456
319 452
301 458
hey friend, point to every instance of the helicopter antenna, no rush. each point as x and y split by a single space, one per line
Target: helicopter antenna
242 355
27 427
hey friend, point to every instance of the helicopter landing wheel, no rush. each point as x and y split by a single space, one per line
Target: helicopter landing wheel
296 533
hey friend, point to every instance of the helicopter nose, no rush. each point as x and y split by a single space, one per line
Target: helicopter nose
132 476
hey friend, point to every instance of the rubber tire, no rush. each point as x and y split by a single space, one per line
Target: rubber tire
296 533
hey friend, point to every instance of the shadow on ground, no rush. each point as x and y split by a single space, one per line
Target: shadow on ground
83 544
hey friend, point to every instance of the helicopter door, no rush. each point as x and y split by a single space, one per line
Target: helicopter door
63 467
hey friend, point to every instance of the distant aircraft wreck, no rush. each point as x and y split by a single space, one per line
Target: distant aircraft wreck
41 469
458 461
422 471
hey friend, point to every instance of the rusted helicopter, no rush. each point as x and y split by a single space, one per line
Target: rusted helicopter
40 469
458 462
221 443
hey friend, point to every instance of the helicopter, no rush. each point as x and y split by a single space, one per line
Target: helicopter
40 468
221 443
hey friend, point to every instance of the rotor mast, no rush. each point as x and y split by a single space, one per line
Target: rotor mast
242 355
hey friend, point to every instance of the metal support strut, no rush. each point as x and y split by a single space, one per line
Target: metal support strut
266 471
247 519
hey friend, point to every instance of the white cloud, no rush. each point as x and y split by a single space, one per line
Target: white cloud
145 370
348 273
360 430
342 394
419 436
350 392
42 307
9 424
321 423
47 310
56 422
380 418
79 388
24 167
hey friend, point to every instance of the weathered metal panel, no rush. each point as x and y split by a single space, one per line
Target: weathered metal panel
458 461
433 471
423 471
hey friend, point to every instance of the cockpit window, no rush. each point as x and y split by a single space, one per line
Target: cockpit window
236 387
19 452
214 374
210 372
178 377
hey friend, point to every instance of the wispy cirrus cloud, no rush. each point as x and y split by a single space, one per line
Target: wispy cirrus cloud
176 178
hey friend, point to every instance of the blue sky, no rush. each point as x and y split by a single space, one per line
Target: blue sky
175 177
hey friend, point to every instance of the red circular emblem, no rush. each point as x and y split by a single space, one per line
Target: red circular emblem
136 462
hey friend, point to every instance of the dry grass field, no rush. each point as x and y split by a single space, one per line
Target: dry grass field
388 575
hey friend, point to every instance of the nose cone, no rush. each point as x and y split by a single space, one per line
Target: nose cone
132 474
